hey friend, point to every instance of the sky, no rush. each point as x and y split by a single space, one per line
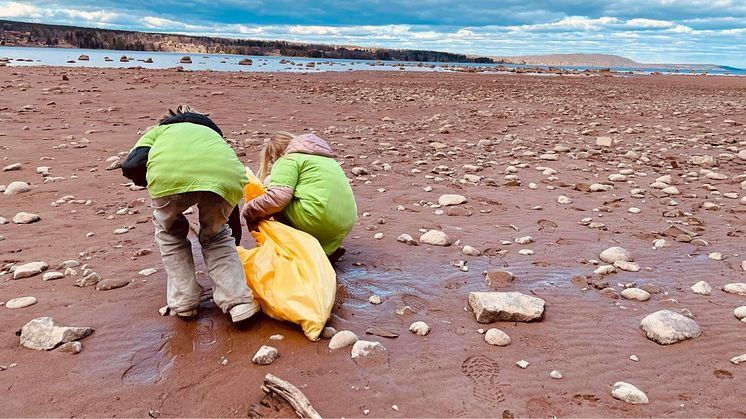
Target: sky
650 31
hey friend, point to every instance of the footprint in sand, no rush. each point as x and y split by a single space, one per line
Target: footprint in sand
539 407
484 374
417 304
547 225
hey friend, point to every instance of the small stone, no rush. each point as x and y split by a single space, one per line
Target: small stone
20 302
73 347
634 358
359 171
407 239
375 299
635 294
435 238
526 252
448 200
701 288
490 307
633 210
17 187
29 269
44 333
342 338
738 288
604 141
738 359
148 271
628 393
25 218
470 251
627 266
88 280
72 263
524 240
111 284
12 167
51 276
419 328
522 364
666 327
604 270
563 199
276 337
328 332
555 374
671 190
499 279
614 254
265 355
121 231
497 337
71 272
364 349
378 236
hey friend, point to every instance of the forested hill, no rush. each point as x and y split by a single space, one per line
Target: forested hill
37 34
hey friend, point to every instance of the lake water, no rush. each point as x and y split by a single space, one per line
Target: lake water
67 57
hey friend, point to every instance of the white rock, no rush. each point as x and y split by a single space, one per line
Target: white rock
505 306
600 187
555 374
702 288
671 190
378 236
666 327
740 312
614 254
627 266
25 218
342 338
634 358
738 288
435 238
448 200
265 355
628 393
375 299
51 276
12 167
616 177
635 294
419 328
20 302
29 269
738 359
497 337
742 154
522 364
470 251
526 252
364 348
604 270
406 238
15 188
633 210
121 231
604 141
563 199
44 333
524 240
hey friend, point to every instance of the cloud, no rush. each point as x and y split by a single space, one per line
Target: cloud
15 9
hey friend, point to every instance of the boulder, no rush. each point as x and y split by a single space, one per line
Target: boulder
342 338
666 327
44 333
628 393
738 288
25 218
505 306
29 269
17 187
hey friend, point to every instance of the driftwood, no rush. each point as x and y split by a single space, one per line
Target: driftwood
291 394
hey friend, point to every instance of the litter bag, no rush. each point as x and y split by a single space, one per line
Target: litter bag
288 272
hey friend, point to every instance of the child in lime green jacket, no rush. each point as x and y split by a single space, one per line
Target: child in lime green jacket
307 189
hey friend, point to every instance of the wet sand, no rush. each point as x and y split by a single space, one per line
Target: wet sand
138 362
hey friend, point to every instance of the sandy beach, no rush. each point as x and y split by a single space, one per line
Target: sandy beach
527 152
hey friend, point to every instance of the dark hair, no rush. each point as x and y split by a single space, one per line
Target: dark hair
185 113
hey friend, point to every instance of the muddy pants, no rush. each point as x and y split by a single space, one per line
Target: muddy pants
218 250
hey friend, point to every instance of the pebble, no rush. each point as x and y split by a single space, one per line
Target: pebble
25 218
148 271
51 276
73 347
375 299
526 252
342 338
44 333
378 236
328 332
522 364
563 199
701 288
738 359
121 231
88 280
633 210
20 302
265 355
555 374
490 307
407 239
634 358
524 240
17 187
667 327
276 337
496 337
470 251
449 200
435 238
614 254
12 167
628 393
738 288
30 269
604 270
627 266
419 328
364 349
635 294
740 312
111 283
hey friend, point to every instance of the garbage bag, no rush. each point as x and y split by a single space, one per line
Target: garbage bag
288 272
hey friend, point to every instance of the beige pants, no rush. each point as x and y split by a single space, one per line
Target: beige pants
218 249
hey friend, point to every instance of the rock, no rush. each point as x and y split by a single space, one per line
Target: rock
448 200
526 252
148 271
419 328
88 280
600 187
470 251
375 299
342 338
634 358
435 238
671 190
505 306
614 254
666 327
499 279
555 374
12 167
701 288
83 57
497 337
604 270
265 355
635 294
738 359
704 161
522 364
20 302
25 218
29 269
121 231
51 276
743 265
111 284
328 332
364 348
44 333
604 141
185 60
628 393
407 239
17 187
73 347
562 199
524 240
738 288
72 263
359 171
246 61
627 266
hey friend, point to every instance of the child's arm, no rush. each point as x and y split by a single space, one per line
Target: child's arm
135 166
279 194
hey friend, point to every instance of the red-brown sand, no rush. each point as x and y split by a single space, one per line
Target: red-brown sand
138 362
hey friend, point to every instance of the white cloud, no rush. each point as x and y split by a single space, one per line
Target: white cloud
98 15
648 23
15 9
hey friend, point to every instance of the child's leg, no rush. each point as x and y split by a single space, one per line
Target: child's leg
171 230
219 251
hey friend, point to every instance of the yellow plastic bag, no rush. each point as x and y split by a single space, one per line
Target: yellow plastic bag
288 272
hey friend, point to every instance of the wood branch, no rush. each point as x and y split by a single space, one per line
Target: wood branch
291 394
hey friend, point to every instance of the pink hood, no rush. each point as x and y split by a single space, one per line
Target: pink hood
310 144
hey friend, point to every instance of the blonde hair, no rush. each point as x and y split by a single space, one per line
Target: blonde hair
183 108
272 150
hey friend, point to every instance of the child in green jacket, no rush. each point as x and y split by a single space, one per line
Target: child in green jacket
184 161
307 189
